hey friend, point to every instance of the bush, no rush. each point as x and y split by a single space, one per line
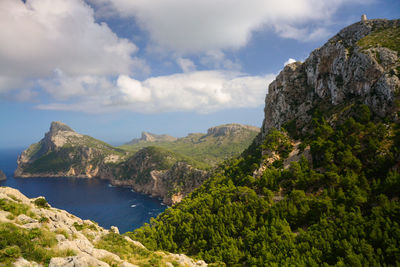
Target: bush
41 203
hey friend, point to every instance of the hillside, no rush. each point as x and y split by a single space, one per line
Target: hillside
320 185
33 233
166 169
219 143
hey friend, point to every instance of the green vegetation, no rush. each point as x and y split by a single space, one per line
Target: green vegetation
207 149
340 209
41 203
15 208
130 252
81 227
389 38
34 245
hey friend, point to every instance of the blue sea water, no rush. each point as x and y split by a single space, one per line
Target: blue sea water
92 199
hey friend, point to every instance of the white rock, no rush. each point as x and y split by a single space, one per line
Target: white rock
76 261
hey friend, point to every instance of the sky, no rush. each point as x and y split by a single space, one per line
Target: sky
114 68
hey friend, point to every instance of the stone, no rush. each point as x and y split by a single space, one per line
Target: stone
21 262
24 219
114 229
76 261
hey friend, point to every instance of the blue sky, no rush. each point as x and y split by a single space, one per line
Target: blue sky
114 68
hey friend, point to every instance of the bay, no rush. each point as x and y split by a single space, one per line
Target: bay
92 199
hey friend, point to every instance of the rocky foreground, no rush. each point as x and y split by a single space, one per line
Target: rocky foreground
34 234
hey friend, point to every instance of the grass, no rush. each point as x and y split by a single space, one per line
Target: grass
116 244
81 227
15 208
389 38
34 245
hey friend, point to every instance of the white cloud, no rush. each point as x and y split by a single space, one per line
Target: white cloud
40 36
198 91
216 59
289 61
186 64
189 26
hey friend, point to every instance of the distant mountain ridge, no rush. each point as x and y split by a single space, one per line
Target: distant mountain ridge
219 143
150 137
152 167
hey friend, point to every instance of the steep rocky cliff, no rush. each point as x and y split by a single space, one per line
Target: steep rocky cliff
360 63
35 234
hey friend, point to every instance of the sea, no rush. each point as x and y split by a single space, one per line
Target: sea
93 199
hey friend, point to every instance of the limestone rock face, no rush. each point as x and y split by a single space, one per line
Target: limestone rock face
333 74
76 235
230 129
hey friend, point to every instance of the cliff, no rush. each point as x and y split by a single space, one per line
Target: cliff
360 63
35 234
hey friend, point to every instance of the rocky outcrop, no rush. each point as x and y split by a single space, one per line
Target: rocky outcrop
83 238
2 176
340 70
150 137
230 129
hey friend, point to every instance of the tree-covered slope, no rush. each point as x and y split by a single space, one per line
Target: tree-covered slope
320 185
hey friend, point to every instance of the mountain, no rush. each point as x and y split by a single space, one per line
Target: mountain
153 167
2 176
320 185
63 152
150 137
33 233
219 143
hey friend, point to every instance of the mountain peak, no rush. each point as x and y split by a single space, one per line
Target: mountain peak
57 126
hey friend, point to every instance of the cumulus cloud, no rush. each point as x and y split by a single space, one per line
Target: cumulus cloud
191 25
216 59
198 91
38 37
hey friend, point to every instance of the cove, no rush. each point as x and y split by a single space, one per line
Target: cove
92 199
